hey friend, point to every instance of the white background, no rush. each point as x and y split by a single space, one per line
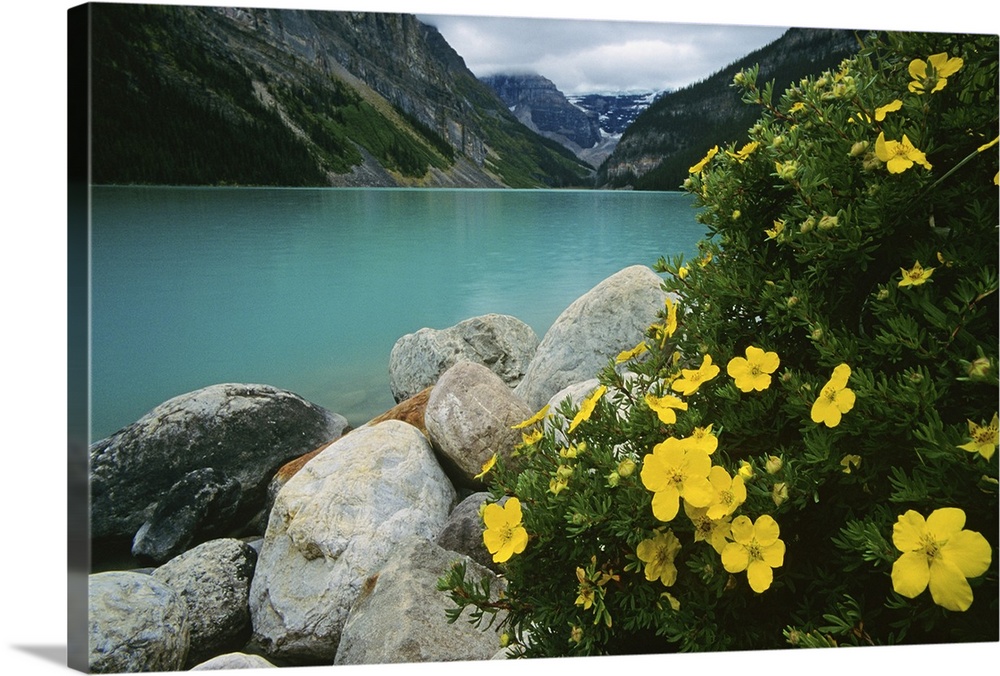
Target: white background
33 264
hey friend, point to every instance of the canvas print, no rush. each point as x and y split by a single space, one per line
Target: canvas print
405 338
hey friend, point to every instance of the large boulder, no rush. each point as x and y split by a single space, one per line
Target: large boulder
469 417
401 616
213 579
234 660
333 525
200 505
463 532
135 623
502 343
612 317
244 432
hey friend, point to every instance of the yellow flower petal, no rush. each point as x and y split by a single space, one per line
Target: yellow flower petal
735 558
968 551
949 588
760 576
910 574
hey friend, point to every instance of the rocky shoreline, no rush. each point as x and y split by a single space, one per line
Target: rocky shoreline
272 534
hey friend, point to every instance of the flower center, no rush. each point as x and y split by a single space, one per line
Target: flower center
754 550
931 548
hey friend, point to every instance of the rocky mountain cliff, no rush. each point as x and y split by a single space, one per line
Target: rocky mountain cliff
201 95
589 125
538 104
656 151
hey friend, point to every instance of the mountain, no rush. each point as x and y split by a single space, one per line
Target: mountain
615 113
673 133
212 96
589 125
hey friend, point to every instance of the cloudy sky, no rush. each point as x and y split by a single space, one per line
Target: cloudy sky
586 56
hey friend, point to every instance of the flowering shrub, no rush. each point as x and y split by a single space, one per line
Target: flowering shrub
805 444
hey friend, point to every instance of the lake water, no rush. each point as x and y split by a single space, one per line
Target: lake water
308 290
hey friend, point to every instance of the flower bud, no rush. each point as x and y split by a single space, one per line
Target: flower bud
773 464
613 479
807 225
779 493
626 467
980 369
746 470
859 148
576 634
827 222
792 301
816 334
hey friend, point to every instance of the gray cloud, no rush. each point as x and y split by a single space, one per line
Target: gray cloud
584 56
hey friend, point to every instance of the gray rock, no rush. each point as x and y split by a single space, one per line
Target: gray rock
502 343
234 661
610 318
213 579
469 417
463 532
244 431
200 505
400 616
333 525
135 623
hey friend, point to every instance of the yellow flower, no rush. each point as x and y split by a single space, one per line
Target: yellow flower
669 325
587 407
712 531
743 153
691 379
899 155
658 554
985 438
625 355
940 554
664 407
696 169
772 233
891 107
915 276
533 419
746 470
850 462
671 473
586 597
756 549
504 535
754 371
730 493
531 438
487 466
701 439
682 272
797 106
834 399
987 146
557 484
934 74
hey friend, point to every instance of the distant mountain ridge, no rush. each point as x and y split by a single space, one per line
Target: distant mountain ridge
209 96
589 125
673 133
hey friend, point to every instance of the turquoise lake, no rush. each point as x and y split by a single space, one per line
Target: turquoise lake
308 290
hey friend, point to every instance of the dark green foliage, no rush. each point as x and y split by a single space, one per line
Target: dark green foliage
812 251
166 111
